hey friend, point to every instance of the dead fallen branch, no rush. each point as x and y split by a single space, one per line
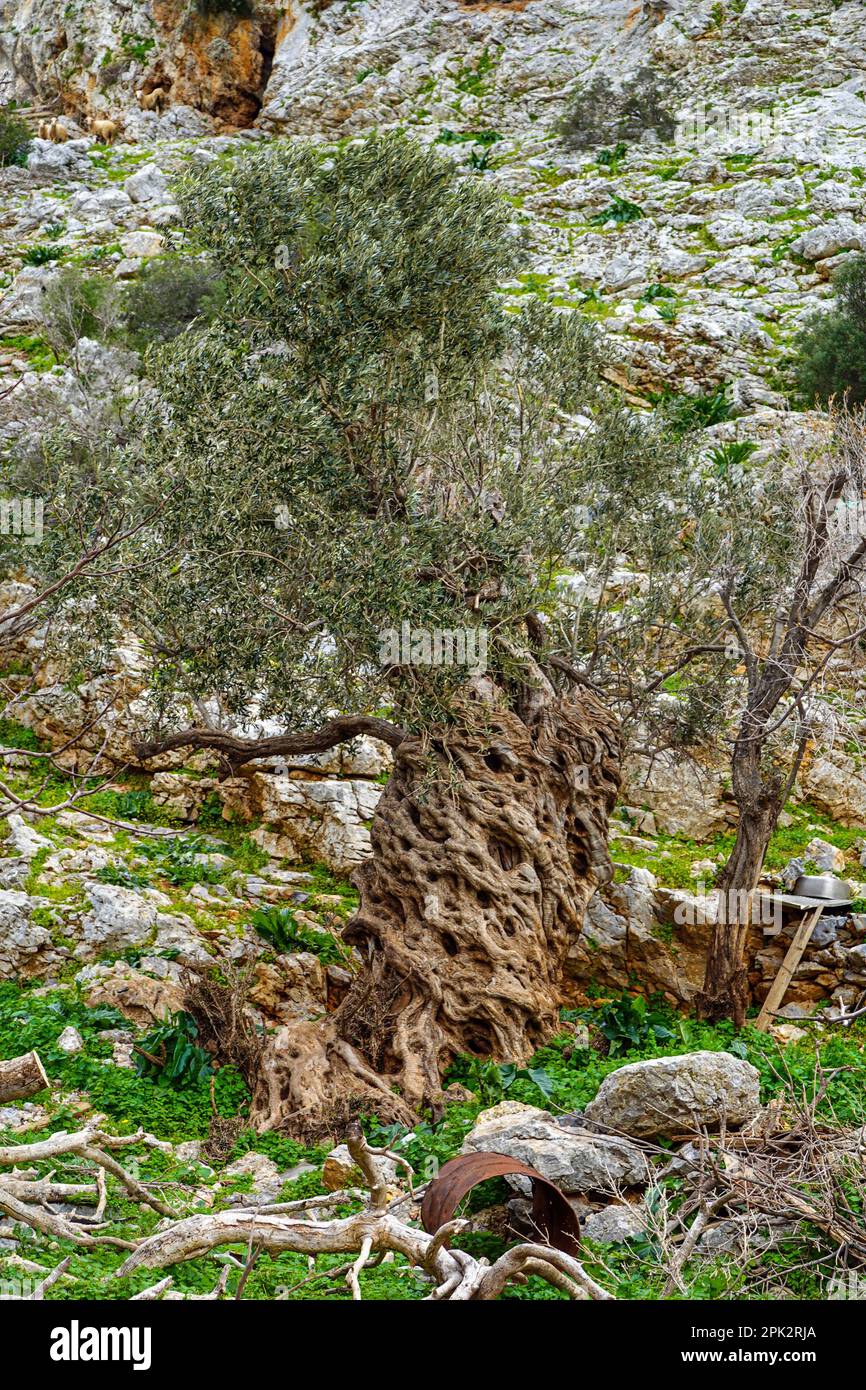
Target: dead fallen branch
22 1077
27 1198
795 1178
371 1233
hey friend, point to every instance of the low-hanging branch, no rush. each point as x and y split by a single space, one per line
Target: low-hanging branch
239 750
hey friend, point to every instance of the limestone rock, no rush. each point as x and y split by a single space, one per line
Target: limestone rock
23 839
575 1159
70 1041
138 996
259 1166
835 786
325 821
119 918
665 1095
25 949
614 1224
147 185
47 161
739 1235
143 243
639 929
828 858
684 798
22 305
830 239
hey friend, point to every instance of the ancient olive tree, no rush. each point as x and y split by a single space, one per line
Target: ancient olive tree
375 475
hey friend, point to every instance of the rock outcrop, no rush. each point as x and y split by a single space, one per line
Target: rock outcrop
211 61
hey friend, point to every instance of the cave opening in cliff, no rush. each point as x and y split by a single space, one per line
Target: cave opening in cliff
267 49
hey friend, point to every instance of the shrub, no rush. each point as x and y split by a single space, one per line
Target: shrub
600 113
831 348
43 253
180 861
170 1054
686 413
123 877
733 454
278 927
491 1081
80 306
15 735
15 138
620 212
167 298
629 1023
611 159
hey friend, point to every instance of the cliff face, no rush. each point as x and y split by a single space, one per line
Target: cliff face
357 65
348 65
740 216
92 57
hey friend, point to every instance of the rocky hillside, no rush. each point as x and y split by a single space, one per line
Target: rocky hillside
742 214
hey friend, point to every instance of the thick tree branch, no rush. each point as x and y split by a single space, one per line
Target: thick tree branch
241 750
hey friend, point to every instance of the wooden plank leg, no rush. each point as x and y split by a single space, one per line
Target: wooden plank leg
778 988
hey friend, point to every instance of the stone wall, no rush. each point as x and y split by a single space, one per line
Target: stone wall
638 933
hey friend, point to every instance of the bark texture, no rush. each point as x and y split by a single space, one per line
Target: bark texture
760 798
486 850
21 1077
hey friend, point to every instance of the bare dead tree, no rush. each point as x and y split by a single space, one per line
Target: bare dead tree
787 654
723 617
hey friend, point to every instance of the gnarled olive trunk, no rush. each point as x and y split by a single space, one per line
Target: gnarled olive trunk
486 850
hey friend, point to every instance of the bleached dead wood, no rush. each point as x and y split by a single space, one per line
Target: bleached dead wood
28 1199
21 1077
371 1233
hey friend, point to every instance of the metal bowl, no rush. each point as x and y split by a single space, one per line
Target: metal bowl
825 886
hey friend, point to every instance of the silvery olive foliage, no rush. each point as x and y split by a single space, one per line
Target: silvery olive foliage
362 438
